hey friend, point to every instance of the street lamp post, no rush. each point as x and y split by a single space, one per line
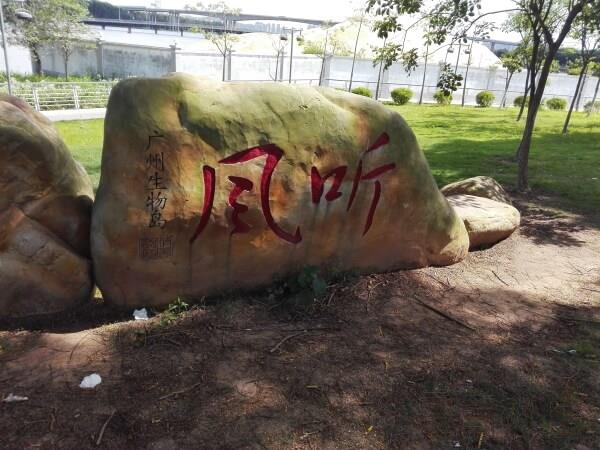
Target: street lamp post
292 30
469 51
20 14
5 47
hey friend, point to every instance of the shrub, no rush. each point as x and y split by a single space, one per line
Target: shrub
361 90
312 48
518 101
441 98
592 107
401 96
485 99
557 104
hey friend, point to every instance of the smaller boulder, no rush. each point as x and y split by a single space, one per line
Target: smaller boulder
45 211
487 221
485 187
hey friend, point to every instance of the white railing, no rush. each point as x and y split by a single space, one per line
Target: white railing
47 96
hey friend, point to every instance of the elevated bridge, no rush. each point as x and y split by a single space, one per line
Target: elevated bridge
170 19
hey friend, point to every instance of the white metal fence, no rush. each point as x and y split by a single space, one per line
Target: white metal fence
46 96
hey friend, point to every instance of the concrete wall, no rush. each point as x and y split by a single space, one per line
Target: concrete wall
81 62
19 60
121 61
208 65
110 60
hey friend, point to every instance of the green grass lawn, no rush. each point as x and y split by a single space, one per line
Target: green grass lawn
84 138
460 143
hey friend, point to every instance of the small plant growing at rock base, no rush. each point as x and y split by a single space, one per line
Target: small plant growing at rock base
485 99
441 98
401 96
310 279
361 90
557 104
173 311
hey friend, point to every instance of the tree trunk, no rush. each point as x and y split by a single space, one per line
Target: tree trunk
581 91
354 57
522 108
224 50
595 96
379 75
323 58
224 65
424 75
503 102
574 100
66 58
537 92
36 60
378 81
534 106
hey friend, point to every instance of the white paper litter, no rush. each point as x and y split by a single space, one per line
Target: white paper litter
91 381
140 314
11 398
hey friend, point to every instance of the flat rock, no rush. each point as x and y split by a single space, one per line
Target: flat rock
209 187
481 186
487 221
45 210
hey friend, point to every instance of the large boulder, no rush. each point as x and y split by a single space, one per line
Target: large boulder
45 211
481 186
208 187
487 221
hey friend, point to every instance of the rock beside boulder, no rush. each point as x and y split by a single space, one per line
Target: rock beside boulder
208 187
485 187
45 212
487 221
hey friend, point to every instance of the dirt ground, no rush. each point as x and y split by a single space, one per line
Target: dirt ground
501 351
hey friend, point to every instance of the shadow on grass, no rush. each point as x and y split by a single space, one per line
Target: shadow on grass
565 176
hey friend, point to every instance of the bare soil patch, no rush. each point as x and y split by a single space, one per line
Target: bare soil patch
500 351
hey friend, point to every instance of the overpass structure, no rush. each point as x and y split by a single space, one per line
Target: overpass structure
170 19
161 25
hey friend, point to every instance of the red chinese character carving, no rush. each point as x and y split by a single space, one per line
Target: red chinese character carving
318 183
241 185
382 140
358 177
209 198
273 154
